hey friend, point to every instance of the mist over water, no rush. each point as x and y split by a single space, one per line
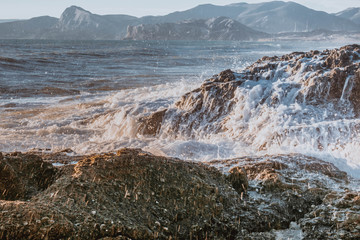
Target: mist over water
88 96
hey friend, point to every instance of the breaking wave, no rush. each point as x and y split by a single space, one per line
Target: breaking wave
302 102
299 103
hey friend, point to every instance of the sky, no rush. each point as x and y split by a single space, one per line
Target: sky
25 9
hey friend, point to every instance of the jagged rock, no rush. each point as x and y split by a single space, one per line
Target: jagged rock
213 100
151 125
302 93
224 76
135 195
338 217
287 186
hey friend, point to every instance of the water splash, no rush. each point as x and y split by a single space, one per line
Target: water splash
299 103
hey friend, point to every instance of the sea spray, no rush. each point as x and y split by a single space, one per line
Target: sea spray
302 102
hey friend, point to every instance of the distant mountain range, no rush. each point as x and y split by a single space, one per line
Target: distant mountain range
240 21
352 14
270 17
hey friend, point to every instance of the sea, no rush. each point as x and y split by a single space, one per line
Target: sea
87 97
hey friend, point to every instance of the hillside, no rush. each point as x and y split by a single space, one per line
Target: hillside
352 14
220 28
271 17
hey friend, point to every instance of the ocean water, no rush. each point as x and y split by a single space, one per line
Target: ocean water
87 96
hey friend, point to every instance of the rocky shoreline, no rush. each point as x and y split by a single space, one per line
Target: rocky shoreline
132 194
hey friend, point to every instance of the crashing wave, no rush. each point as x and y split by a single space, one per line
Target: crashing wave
308 100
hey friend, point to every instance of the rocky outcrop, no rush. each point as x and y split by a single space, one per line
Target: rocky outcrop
285 186
77 23
130 194
285 90
136 195
207 104
330 75
220 28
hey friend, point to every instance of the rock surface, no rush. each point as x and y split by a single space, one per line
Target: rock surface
338 217
22 177
136 195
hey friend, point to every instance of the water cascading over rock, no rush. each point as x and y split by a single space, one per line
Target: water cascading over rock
303 98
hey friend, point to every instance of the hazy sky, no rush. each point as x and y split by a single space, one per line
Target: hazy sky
23 9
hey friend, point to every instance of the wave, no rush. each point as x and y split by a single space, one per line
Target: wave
300 102
10 60
12 63
33 91
57 91
304 102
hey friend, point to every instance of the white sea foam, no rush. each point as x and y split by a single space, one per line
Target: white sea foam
111 122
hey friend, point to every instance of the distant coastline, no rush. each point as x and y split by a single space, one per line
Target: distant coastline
239 22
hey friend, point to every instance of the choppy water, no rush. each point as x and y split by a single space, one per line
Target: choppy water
87 96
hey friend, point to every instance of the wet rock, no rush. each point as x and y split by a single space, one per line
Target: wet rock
283 187
224 76
135 195
338 217
318 78
213 100
355 93
151 125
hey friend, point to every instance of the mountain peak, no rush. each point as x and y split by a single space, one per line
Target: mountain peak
74 8
75 12
74 16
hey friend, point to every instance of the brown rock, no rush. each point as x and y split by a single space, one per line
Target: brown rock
135 195
131 194
320 76
226 76
23 176
355 93
151 125
238 179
